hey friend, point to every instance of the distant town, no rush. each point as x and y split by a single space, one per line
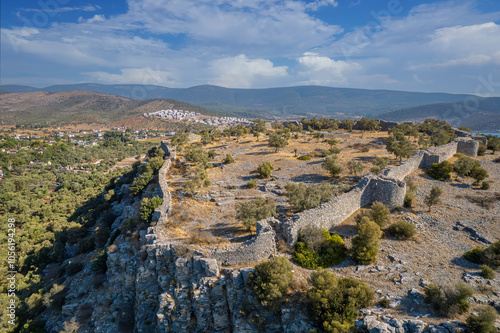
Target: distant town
197 118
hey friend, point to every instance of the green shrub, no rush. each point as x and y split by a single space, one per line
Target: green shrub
491 255
401 229
302 196
252 183
334 303
99 262
440 171
207 183
484 321
229 159
384 302
448 302
433 198
487 272
365 244
409 199
485 186
474 255
380 214
55 298
251 212
481 151
304 158
316 248
330 164
148 206
264 170
270 281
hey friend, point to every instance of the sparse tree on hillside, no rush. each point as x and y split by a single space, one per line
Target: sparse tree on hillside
347 124
355 167
251 212
434 197
400 147
330 164
277 141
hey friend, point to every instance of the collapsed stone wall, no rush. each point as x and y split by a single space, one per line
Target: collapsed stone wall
260 247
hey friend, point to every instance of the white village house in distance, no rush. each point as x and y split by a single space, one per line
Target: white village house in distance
197 117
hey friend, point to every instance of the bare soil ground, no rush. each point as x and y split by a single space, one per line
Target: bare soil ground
213 208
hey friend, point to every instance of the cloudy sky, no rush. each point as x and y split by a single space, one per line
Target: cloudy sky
414 45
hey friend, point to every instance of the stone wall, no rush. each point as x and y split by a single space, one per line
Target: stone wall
387 187
330 213
468 147
260 247
162 212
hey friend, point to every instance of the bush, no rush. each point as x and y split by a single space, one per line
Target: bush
481 151
464 165
148 206
304 158
474 255
448 302
302 196
251 212
409 199
55 298
491 255
270 281
380 214
99 262
365 244
434 197
487 272
440 171
330 164
484 321
252 183
264 170
485 186
401 229
229 159
317 248
334 303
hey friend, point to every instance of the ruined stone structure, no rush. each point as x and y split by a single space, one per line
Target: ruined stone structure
387 187
260 247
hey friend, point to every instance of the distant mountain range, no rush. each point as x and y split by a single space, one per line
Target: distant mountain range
308 101
479 114
78 107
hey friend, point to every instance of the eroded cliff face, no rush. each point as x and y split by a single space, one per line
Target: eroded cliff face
165 287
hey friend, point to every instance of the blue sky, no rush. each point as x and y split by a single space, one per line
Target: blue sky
414 45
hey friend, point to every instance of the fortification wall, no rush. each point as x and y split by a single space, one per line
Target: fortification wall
439 154
399 172
387 187
390 192
330 213
468 147
162 212
260 247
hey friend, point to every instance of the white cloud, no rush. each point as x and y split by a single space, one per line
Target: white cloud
241 72
53 7
143 76
96 18
321 3
321 70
